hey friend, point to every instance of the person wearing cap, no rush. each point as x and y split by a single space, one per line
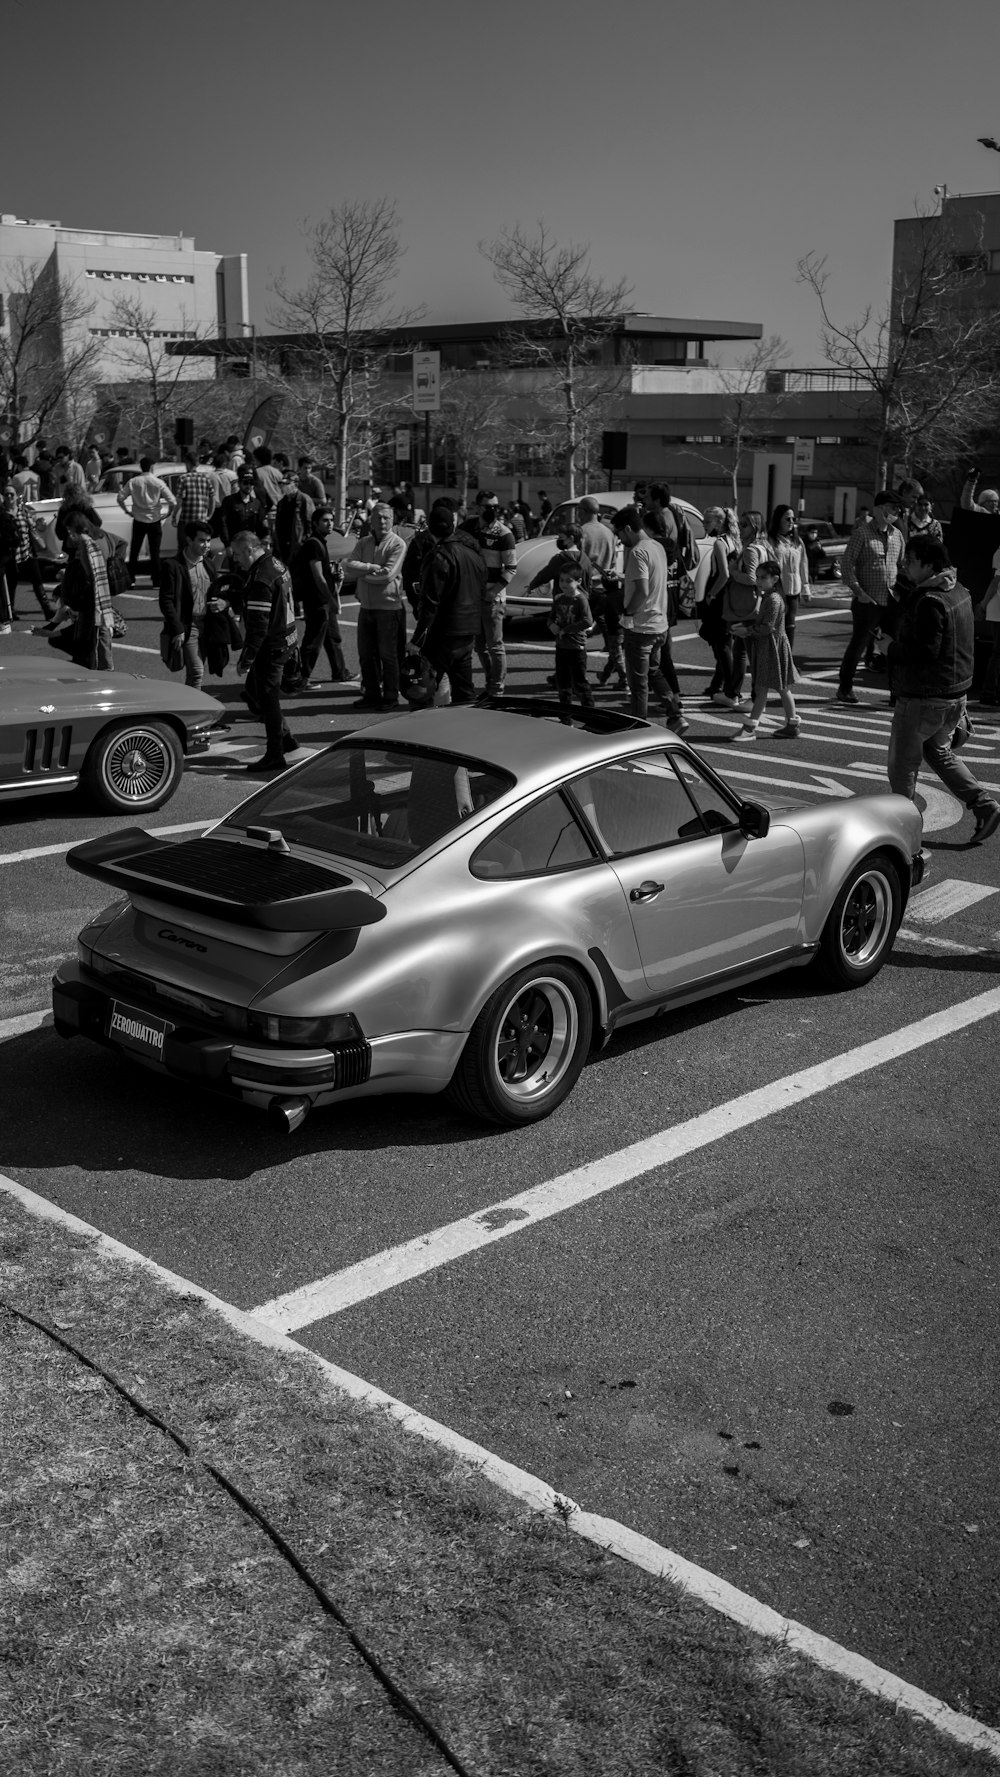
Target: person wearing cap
869 567
241 511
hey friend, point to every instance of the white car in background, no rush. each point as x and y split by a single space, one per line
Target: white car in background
535 552
105 503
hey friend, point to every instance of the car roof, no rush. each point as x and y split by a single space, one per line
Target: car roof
617 500
535 749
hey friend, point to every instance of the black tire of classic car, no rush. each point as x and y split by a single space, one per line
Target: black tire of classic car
527 1047
863 922
133 767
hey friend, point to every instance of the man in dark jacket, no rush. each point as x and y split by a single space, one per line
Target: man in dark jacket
930 667
241 511
269 620
186 599
453 586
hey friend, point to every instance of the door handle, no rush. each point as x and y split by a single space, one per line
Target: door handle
647 891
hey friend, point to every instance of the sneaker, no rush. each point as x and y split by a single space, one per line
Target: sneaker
365 703
724 702
987 822
747 732
5 629
677 725
847 697
265 764
790 731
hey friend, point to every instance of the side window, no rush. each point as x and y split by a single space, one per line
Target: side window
545 837
696 527
718 814
638 804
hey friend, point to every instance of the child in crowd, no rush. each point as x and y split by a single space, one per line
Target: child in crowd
570 623
771 664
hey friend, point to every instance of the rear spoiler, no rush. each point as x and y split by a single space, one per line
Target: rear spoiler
248 885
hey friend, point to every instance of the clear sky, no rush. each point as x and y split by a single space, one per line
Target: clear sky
701 149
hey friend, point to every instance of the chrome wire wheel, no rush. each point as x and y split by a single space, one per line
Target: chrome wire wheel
867 918
536 1038
135 766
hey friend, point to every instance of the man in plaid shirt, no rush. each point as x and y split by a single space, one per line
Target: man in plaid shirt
197 498
869 567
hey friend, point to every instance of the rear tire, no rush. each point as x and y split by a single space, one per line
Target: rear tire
526 1049
133 767
863 922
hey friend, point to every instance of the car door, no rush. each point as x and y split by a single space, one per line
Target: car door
703 898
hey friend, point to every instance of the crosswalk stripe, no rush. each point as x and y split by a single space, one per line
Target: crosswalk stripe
947 898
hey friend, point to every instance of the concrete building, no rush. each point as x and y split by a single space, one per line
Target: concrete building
188 292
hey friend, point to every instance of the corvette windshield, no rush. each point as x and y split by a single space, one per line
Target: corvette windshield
379 805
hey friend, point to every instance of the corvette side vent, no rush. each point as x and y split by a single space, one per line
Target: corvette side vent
47 748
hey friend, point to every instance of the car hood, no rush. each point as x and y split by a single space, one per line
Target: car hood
31 687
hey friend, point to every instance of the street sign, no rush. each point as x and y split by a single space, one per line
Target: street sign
803 451
403 444
427 382
426 473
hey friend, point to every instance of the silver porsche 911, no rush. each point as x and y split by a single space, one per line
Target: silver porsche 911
469 900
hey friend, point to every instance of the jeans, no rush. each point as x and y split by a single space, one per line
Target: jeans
642 664
194 655
152 534
866 618
322 634
379 644
922 730
571 676
489 643
263 691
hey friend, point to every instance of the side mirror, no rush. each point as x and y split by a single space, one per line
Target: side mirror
755 821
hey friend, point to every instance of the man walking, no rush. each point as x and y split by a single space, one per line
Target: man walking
375 568
450 602
269 619
185 584
930 666
869 568
316 584
148 501
645 617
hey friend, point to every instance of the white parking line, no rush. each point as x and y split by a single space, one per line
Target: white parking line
17 1027
539 1497
946 898
414 1258
53 851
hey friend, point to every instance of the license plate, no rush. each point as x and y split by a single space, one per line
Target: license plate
137 1030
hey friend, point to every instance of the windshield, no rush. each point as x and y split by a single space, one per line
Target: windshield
375 804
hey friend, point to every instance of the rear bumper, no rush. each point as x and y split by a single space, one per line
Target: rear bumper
407 1061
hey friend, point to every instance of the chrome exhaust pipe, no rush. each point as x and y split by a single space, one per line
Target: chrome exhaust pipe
287 1114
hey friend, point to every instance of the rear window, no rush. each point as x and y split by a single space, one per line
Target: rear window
378 805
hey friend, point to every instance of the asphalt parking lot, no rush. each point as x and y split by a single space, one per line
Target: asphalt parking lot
772 1348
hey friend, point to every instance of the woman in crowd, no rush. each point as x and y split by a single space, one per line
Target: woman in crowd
790 555
722 527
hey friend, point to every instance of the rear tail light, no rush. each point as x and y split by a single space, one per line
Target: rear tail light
268 1027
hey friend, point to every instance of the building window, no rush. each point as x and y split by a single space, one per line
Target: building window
994 264
141 277
971 263
135 333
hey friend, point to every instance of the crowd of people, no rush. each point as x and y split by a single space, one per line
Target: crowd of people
254 561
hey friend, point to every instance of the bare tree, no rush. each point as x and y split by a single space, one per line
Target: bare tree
748 409
150 372
474 408
572 314
47 353
344 321
926 363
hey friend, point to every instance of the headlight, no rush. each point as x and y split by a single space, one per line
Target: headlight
343 1027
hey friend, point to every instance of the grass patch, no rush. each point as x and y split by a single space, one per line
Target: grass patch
148 1627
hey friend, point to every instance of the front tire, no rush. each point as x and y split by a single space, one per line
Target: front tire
133 768
863 922
526 1049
